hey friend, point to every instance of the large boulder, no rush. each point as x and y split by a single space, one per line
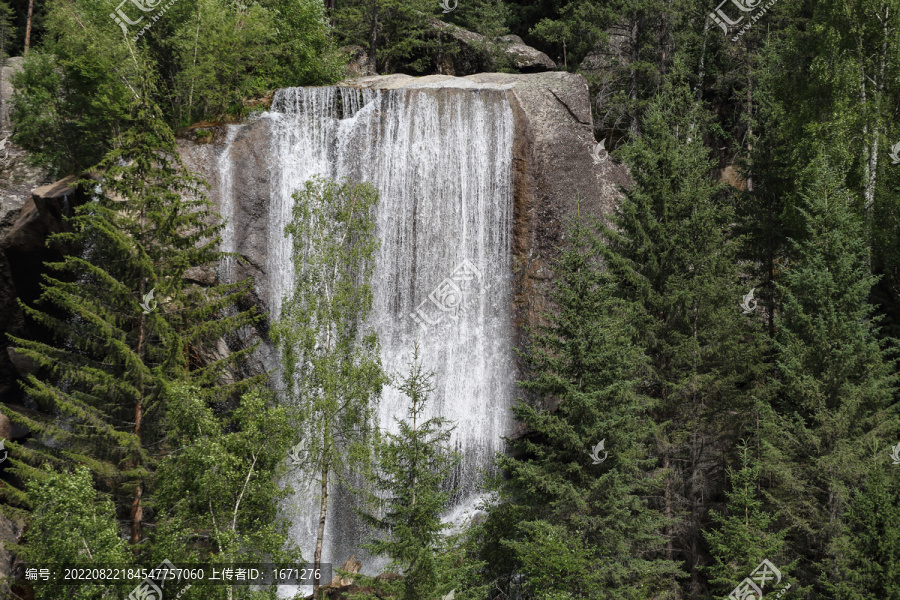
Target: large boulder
23 252
473 53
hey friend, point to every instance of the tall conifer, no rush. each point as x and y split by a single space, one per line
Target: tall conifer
836 376
672 256
127 317
576 526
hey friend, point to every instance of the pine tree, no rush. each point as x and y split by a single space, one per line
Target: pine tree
412 468
127 319
572 524
331 367
837 378
672 256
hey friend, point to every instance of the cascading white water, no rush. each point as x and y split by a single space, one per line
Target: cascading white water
226 195
441 161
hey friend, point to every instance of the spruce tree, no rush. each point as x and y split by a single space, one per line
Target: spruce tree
869 549
671 252
411 473
836 376
745 533
571 524
128 319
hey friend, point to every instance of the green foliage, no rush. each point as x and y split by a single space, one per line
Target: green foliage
672 256
572 527
837 378
744 535
103 379
397 34
411 468
223 479
869 550
331 368
73 97
71 524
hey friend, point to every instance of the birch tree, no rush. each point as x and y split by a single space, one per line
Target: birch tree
331 367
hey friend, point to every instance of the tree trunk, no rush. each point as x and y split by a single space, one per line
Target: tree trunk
373 39
28 27
137 515
317 559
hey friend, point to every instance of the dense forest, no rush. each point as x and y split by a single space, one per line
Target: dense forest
708 409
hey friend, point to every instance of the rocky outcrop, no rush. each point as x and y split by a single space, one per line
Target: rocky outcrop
23 252
472 53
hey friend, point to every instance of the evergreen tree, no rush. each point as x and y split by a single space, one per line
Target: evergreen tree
869 550
572 524
672 256
837 378
398 35
331 367
412 466
127 320
744 535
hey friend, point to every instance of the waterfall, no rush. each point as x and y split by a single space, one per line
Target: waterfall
441 160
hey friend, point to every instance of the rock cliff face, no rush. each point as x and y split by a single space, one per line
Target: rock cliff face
552 164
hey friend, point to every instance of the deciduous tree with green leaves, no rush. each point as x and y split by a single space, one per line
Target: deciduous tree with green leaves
72 524
331 365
